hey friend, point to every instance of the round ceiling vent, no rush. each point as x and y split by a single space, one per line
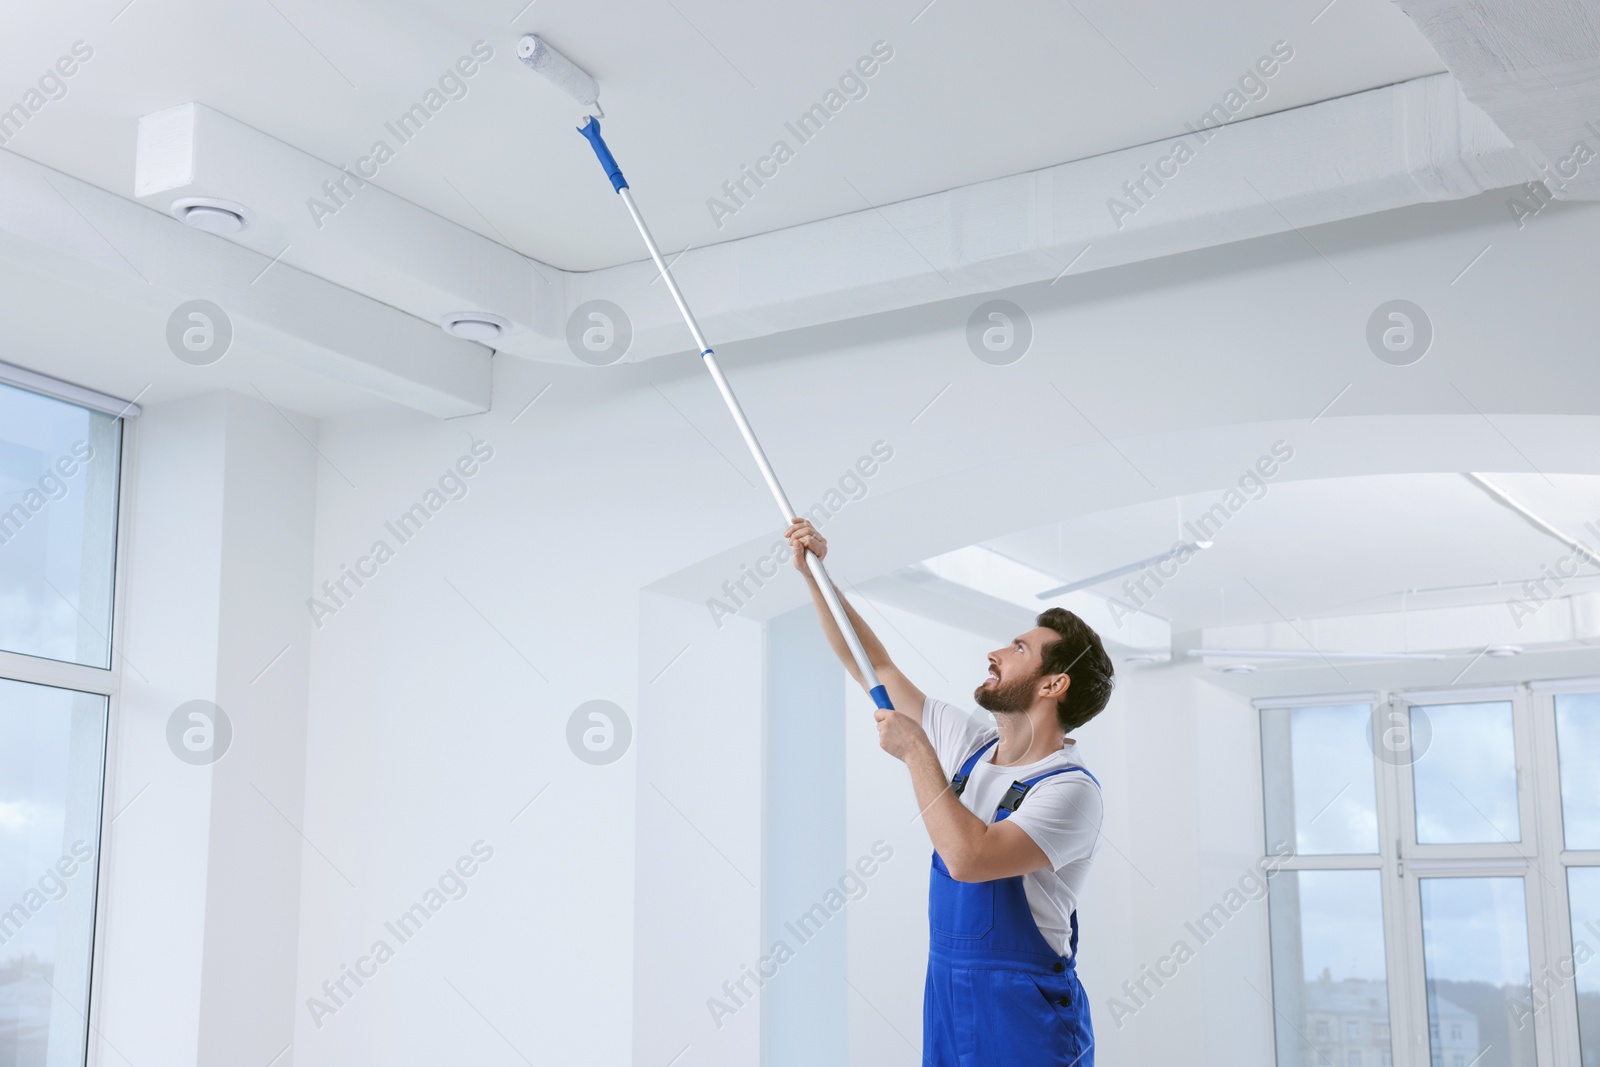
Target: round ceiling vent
479 326
212 215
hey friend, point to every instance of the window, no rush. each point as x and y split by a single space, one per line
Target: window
1578 741
59 499
1583 899
1326 904
1442 845
1475 952
1321 797
1327 935
52 743
1466 781
1578 746
1352 1058
58 503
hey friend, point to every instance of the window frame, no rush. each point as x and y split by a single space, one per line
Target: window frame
109 789
1539 858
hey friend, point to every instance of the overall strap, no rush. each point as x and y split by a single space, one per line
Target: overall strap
959 782
1013 798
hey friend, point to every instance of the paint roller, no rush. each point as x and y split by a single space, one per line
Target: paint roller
577 84
561 72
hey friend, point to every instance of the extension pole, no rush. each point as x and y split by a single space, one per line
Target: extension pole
880 695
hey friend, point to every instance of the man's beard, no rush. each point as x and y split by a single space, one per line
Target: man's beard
1007 697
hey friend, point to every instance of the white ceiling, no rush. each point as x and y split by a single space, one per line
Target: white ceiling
692 90
1340 546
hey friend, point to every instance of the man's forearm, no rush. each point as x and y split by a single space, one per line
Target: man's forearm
956 832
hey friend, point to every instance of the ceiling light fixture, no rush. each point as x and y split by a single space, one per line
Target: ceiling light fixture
1534 520
1128 568
1503 651
1235 668
479 326
1309 654
212 215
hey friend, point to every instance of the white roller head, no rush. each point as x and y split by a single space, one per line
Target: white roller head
561 72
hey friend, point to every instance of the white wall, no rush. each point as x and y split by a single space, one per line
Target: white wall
1183 830
698 875
200 911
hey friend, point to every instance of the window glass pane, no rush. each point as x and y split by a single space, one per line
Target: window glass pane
1317 766
58 505
1466 776
52 743
1583 893
1475 951
1328 980
1578 734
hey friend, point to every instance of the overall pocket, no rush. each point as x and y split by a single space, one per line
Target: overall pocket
959 910
1023 1024
1072 1034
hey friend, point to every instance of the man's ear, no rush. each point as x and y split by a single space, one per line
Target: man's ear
1058 685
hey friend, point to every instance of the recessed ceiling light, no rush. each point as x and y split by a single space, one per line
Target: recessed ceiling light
1503 651
1235 668
1146 657
479 326
212 215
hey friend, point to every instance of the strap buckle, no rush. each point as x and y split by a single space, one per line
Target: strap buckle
1013 798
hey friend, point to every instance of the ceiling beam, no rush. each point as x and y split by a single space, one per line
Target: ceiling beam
1467 629
107 246
1534 67
331 222
1405 144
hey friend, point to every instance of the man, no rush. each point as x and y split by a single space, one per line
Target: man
1002 988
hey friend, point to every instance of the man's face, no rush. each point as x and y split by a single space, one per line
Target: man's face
1015 672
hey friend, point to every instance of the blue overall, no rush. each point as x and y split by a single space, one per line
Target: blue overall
997 992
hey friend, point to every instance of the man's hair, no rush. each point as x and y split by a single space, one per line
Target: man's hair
1079 655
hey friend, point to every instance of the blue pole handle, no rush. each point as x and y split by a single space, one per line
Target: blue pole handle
880 697
591 131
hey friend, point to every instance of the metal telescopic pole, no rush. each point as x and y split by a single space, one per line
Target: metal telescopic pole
880 696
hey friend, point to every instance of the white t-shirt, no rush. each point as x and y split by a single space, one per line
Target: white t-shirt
1062 813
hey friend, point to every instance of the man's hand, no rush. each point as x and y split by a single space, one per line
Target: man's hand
900 735
802 536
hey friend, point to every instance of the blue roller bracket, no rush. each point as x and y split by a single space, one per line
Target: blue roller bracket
608 163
